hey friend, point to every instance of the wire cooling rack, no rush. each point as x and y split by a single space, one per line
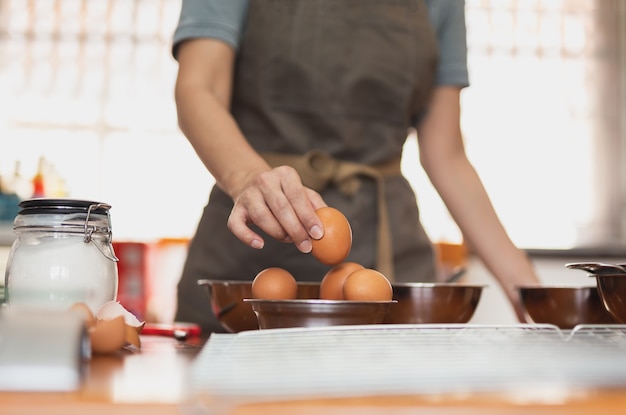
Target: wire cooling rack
411 359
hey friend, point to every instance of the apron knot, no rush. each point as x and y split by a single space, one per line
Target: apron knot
324 169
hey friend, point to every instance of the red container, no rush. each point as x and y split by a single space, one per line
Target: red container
148 276
134 270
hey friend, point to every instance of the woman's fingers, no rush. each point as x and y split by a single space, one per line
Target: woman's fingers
238 225
306 224
278 203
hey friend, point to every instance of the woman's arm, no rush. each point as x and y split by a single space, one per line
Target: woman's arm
443 157
203 92
273 199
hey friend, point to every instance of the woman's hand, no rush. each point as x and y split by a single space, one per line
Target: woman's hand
276 201
525 276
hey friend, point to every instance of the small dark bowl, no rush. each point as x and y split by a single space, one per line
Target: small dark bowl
563 306
612 291
228 305
274 314
433 303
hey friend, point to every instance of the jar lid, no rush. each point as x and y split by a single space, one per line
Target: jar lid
50 206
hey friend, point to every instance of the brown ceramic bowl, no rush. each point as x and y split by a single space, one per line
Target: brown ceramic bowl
228 305
274 314
612 291
433 303
563 306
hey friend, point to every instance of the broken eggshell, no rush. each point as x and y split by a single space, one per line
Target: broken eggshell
111 328
108 336
133 326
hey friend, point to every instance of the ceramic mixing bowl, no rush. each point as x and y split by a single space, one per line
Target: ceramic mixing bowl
612 291
433 303
563 306
274 314
228 305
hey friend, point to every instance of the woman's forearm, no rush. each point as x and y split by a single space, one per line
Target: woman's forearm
444 159
217 140
202 94
469 204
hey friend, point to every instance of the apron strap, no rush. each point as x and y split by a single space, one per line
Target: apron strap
317 170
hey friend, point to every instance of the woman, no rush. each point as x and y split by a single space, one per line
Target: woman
293 105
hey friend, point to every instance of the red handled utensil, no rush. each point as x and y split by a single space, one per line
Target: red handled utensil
179 330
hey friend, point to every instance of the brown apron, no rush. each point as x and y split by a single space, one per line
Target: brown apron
343 80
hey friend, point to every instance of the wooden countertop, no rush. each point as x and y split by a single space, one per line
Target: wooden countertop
154 381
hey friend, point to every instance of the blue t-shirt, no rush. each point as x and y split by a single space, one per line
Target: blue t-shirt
223 19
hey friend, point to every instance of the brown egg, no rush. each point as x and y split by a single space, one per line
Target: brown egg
331 287
334 247
367 285
274 284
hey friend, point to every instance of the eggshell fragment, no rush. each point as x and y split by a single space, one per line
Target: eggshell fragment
367 285
131 335
331 287
335 245
108 336
111 328
132 326
112 309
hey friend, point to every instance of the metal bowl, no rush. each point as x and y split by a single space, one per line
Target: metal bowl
273 314
563 306
228 305
433 303
612 292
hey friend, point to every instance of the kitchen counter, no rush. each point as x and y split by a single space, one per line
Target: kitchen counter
151 380
156 381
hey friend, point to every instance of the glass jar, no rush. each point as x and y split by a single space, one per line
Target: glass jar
62 255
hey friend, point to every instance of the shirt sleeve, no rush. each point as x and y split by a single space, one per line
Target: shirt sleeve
448 19
217 19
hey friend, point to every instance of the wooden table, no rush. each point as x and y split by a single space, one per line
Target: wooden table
149 381
153 381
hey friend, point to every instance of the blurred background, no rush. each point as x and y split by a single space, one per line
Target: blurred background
87 111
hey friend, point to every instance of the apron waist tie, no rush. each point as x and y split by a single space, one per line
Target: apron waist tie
317 170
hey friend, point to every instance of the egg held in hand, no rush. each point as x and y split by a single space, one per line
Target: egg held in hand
367 285
334 246
274 283
331 287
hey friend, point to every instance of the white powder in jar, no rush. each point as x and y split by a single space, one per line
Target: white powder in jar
58 271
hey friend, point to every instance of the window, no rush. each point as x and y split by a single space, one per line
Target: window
88 85
544 122
90 88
